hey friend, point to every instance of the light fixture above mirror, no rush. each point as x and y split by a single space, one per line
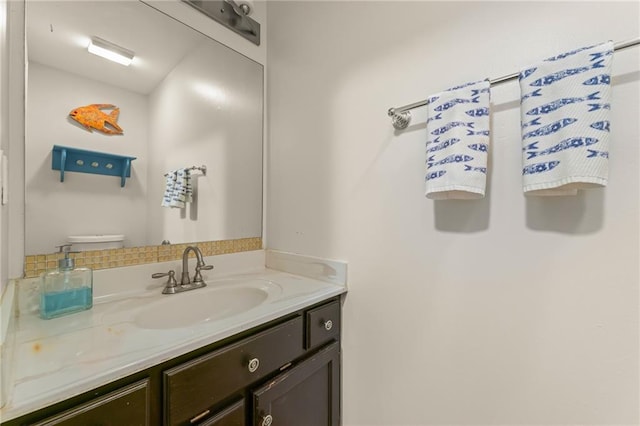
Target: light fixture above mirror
110 51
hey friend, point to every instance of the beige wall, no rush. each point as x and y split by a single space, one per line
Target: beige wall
84 204
208 111
506 310
12 90
4 134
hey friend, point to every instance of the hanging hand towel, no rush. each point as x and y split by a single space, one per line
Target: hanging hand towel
565 108
178 189
458 142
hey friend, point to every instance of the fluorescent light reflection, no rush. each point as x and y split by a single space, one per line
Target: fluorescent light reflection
210 92
110 51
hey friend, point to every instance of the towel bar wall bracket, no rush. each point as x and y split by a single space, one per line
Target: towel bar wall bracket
68 159
400 120
400 116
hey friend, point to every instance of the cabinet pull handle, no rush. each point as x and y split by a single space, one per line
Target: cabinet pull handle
253 365
328 325
199 416
267 420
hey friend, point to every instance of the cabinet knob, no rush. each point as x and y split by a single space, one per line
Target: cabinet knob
253 366
328 325
267 420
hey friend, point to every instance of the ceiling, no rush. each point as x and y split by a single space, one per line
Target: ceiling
58 33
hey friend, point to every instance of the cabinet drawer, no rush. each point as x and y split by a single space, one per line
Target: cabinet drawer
195 386
323 324
129 405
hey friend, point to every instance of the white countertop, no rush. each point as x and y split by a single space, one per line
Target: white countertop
56 359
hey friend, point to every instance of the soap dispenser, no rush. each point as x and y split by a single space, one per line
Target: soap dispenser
66 289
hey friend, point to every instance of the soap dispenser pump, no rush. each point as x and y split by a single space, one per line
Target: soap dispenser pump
66 289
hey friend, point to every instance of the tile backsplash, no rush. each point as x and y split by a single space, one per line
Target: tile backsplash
34 265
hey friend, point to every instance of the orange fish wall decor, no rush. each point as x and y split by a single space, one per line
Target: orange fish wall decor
91 116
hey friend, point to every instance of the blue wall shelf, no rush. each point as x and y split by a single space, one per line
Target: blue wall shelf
68 159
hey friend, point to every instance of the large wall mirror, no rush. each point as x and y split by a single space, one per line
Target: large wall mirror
185 100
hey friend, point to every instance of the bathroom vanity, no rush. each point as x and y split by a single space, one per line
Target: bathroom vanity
276 363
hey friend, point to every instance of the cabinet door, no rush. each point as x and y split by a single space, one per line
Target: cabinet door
230 416
196 386
126 406
307 394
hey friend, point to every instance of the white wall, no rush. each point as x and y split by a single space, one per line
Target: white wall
4 135
112 209
208 111
14 92
506 310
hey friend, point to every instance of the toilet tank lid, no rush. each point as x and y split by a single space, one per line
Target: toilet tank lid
94 238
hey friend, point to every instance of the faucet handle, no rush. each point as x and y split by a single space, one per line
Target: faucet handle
198 276
171 274
171 282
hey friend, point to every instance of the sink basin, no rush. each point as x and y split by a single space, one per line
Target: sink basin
216 301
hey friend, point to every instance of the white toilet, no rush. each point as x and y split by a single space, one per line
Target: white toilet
95 242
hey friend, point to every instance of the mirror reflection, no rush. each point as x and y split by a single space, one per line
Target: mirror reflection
184 101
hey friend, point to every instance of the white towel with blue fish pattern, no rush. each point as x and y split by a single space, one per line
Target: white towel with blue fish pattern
565 109
178 189
458 142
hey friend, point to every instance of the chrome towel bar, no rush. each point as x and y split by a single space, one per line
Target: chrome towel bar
203 169
400 116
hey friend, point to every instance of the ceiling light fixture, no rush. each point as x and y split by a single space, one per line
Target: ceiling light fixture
110 51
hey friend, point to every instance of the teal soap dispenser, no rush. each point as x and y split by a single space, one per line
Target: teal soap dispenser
66 289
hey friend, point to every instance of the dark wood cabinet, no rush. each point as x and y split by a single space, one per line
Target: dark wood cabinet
232 415
127 406
195 386
286 371
305 395
323 324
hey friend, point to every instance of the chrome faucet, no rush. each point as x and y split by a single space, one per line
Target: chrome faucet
186 284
